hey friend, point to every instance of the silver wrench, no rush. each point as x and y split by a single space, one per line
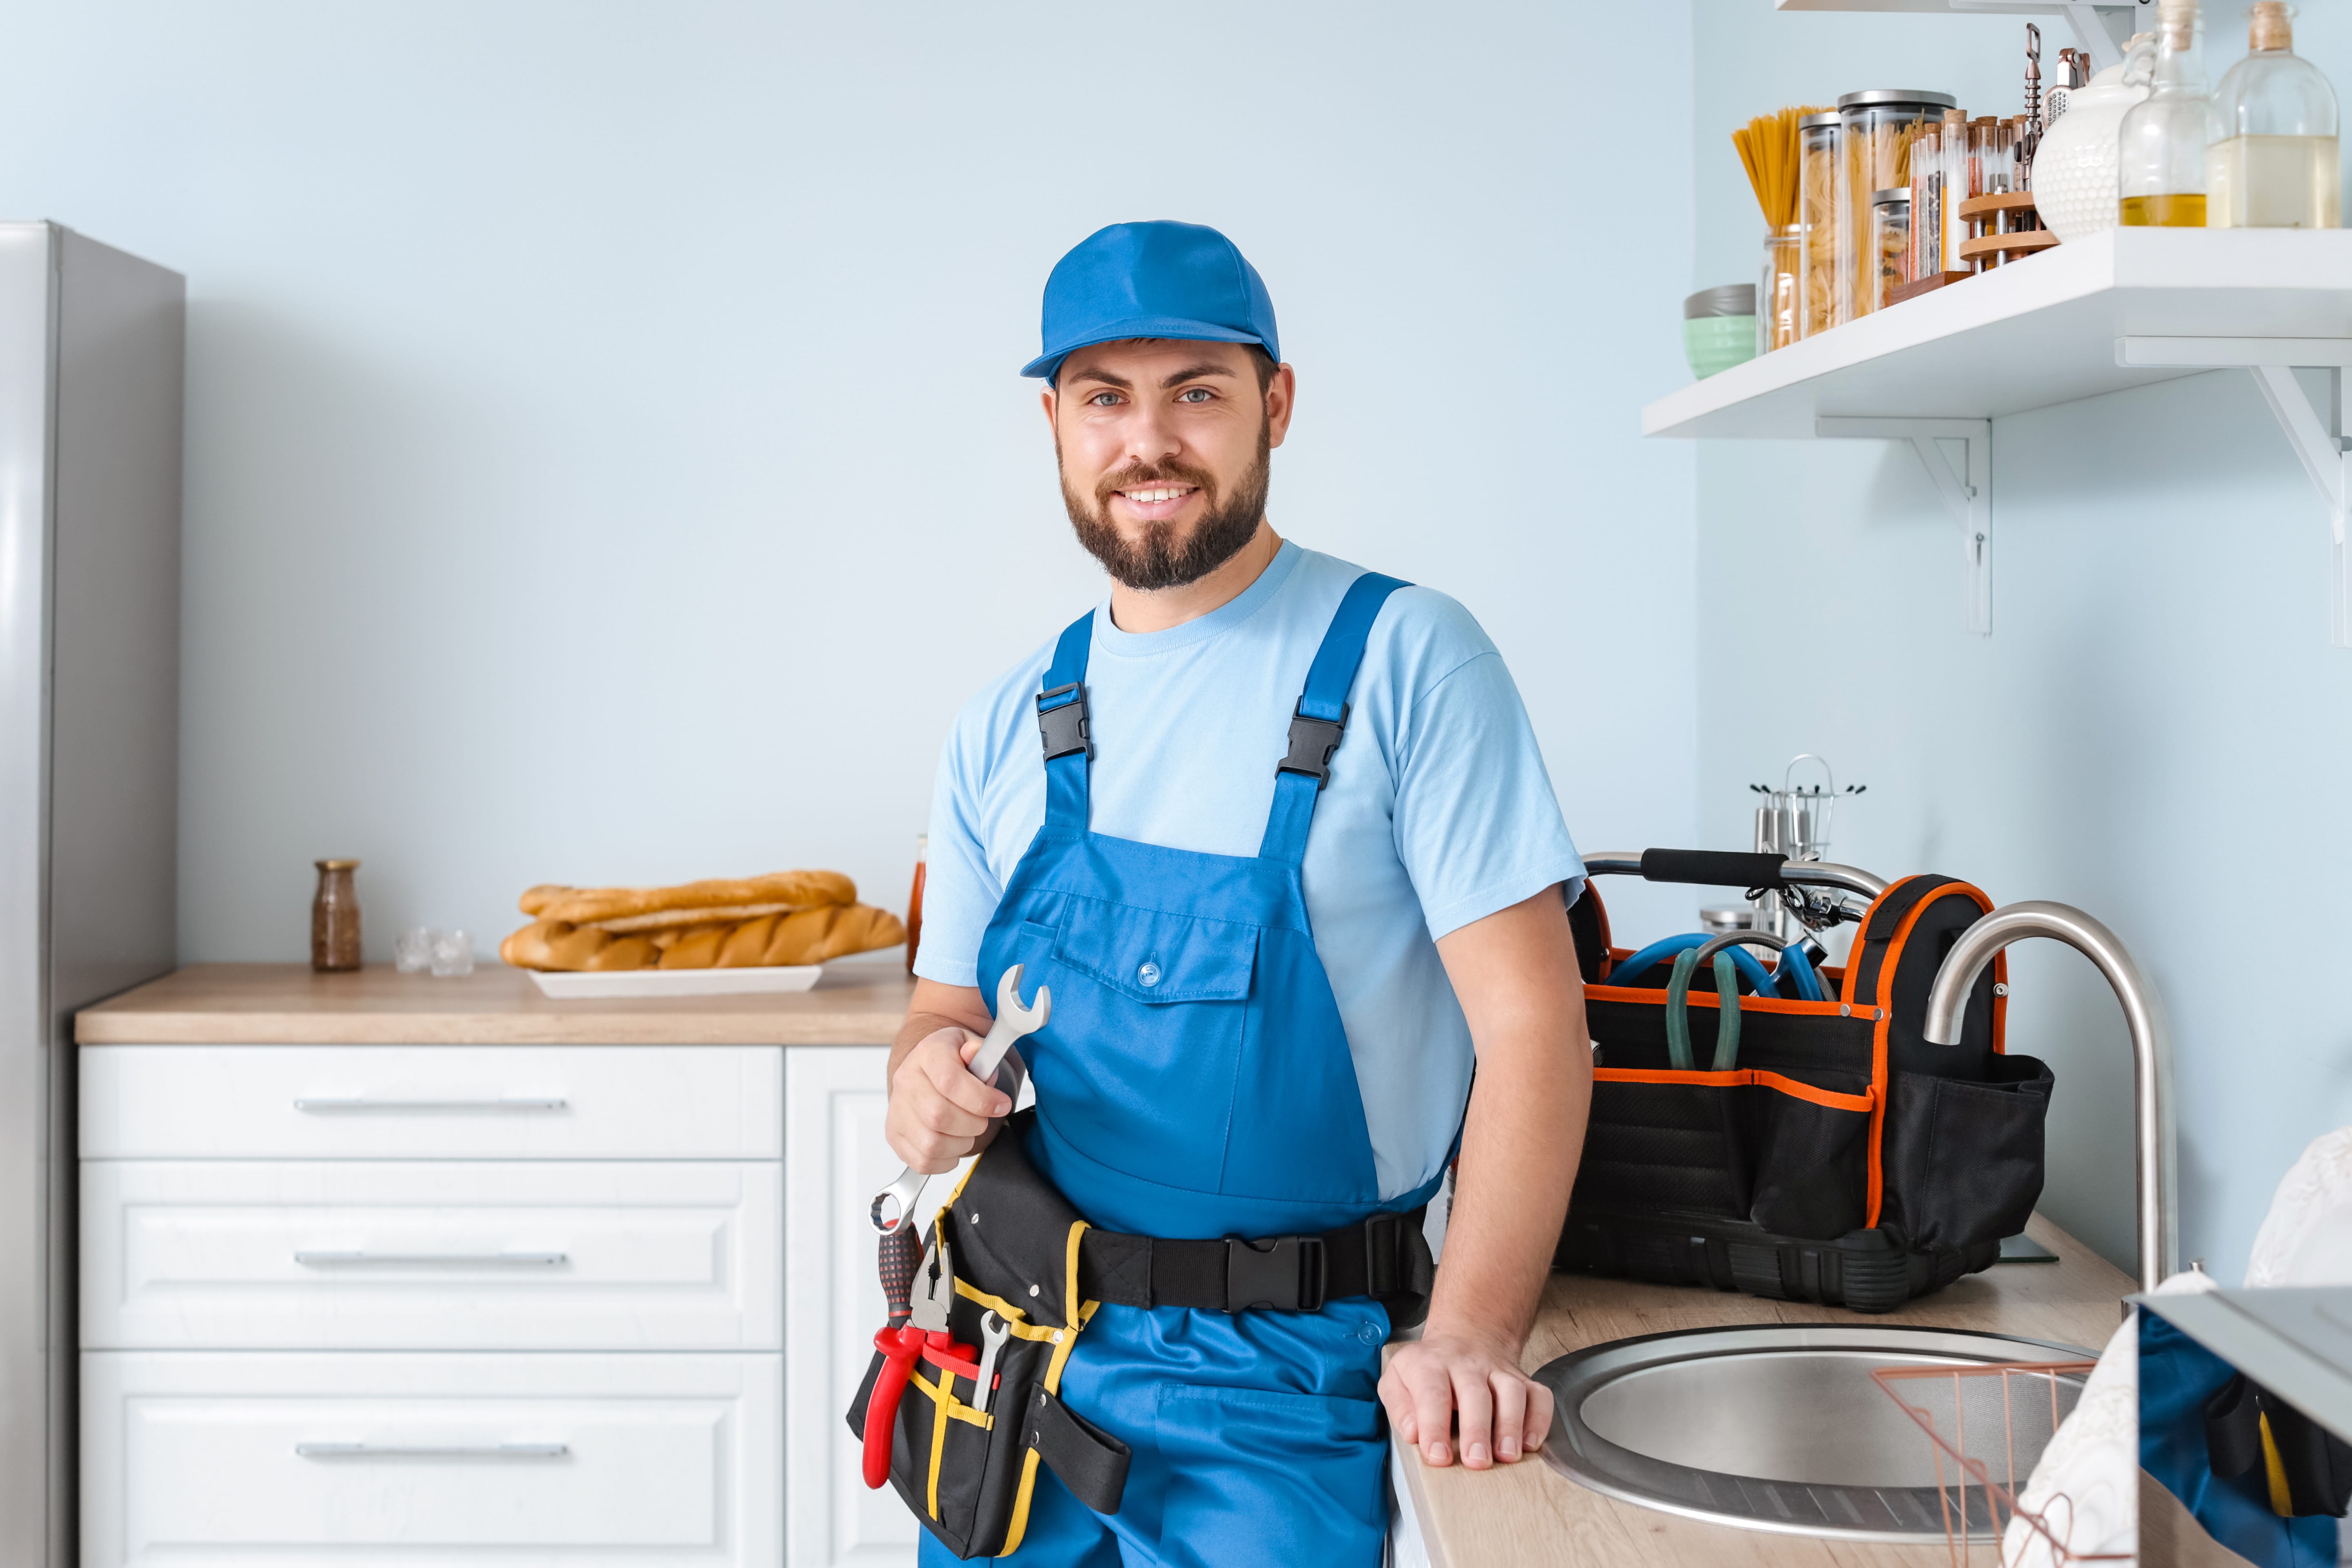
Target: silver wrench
993 1332
1013 1021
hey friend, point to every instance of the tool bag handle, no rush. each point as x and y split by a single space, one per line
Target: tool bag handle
1726 868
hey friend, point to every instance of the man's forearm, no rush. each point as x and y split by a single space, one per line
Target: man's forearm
1520 1149
1516 974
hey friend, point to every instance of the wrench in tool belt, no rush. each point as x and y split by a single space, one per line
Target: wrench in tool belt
893 1205
993 1332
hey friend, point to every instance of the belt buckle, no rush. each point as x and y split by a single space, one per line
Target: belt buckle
1278 1274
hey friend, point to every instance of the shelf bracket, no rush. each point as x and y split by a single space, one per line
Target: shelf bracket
1966 486
2317 438
2101 27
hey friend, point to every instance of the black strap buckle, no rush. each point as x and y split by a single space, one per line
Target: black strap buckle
1064 725
1278 1274
1312 742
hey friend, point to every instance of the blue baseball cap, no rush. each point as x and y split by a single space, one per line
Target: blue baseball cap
1152 281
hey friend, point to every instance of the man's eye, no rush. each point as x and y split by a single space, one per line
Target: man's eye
1103 400
1194 394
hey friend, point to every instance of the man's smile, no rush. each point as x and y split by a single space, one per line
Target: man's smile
1155 503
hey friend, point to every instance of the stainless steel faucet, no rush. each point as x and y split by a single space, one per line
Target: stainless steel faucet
2153 1152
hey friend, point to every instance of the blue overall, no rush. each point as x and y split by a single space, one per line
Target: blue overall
1195 1082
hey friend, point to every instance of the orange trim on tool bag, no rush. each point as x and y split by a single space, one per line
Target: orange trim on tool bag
1641 993
1762 1077
1866 1100
1879 1037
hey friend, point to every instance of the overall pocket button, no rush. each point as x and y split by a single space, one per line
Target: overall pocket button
1149 975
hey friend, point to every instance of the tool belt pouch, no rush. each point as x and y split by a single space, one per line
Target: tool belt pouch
969 1473
1806 1151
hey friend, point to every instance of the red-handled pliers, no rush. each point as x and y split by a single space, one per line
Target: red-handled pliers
901 1348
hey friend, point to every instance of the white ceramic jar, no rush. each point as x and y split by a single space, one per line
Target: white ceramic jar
2075 168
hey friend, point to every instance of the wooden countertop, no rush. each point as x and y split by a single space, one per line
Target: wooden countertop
1530 1513
857 1002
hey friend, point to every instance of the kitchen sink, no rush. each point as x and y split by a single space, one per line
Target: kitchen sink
1780 1426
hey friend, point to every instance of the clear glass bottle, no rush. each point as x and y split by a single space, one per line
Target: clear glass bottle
2160 146
2272 162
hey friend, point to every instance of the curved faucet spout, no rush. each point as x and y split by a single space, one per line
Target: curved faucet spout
2159 1240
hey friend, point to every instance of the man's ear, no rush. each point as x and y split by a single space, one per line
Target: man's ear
1045 401
1281 401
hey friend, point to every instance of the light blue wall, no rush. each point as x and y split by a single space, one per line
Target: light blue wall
605 461
2156 729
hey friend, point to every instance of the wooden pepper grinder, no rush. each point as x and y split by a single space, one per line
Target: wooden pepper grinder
335 919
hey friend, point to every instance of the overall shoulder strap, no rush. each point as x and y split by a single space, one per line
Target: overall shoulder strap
1062 723
1321 718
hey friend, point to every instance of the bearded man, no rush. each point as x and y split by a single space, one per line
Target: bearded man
1292 868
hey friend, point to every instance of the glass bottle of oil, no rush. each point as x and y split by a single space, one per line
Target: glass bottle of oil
2272 162
2160 146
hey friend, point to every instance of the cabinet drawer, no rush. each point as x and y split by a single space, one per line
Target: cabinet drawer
432 1102
242 1460
431 1254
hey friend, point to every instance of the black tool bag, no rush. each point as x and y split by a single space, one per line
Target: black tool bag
2305 1469
968 1475
1841 1157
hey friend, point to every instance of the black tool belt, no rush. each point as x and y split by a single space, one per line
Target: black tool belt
1385 1257
968 1435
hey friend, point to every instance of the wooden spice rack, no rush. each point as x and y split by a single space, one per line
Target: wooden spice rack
1993 223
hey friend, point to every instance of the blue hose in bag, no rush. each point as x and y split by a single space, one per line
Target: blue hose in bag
1751 969
1795 981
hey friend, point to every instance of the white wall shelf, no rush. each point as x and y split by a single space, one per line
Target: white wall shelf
2101 27
2116 310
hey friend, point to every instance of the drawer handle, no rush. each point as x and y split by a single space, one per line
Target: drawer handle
332 1260
362 1105
432 1450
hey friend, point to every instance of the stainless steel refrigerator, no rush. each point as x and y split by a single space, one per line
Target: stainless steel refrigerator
92 344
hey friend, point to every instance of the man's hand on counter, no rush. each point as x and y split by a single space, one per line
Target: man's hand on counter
1459 1386
938 1111
1434 1379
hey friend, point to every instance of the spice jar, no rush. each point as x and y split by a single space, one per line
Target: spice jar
1890 242
335 919
1777 323
1878 128
1819 262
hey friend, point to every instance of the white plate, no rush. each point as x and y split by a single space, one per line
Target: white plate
573 986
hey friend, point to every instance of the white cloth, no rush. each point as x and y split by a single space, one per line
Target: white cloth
2306 1238
2086 1490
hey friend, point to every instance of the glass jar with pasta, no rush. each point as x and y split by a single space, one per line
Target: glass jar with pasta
1821 263
1877 129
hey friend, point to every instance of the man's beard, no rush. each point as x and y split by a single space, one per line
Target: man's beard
1161 559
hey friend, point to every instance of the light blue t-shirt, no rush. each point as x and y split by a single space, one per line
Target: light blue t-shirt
1438 812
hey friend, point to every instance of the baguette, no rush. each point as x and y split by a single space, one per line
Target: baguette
801 937
587 906
662 920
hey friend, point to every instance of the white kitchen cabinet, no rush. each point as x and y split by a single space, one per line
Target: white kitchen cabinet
243 1461
431 1103
836 1160
432 1254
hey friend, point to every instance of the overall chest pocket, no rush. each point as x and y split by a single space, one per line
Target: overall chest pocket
1154 957
1151 1010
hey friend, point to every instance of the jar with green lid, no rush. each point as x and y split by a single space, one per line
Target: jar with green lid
1719 328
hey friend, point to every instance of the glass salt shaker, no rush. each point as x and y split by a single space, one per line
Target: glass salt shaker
453 954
